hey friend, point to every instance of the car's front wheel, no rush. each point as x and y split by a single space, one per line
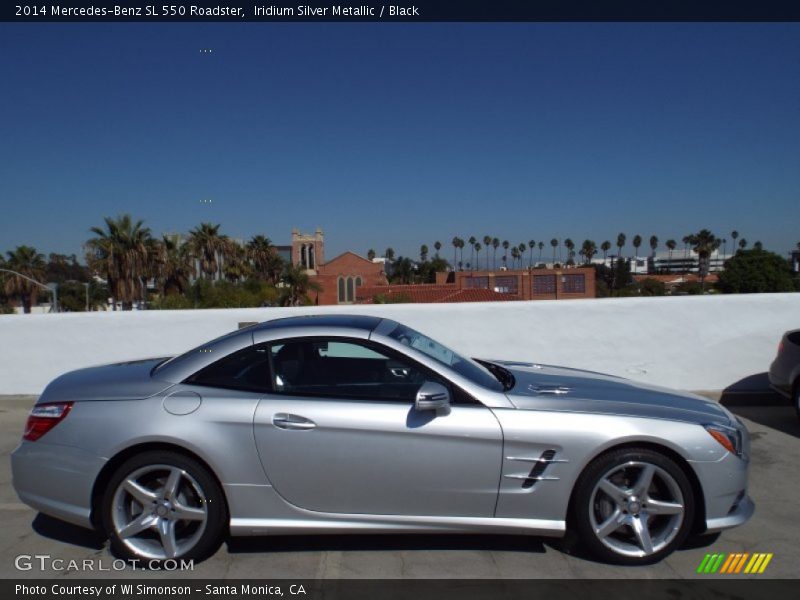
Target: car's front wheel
163 505
633 506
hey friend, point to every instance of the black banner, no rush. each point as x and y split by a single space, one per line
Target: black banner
733 588
412 11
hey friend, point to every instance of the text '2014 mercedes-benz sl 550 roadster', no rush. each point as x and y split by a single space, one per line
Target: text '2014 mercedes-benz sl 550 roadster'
357 424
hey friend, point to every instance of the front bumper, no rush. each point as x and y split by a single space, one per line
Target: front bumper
724 484
56 480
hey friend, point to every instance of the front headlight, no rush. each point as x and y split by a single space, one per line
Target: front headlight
729 437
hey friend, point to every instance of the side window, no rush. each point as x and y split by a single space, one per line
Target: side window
345 369
247 369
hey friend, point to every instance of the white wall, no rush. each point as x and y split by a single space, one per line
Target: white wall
690 342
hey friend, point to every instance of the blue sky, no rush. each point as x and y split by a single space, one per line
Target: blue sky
398 134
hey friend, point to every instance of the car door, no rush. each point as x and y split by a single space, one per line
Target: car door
340 434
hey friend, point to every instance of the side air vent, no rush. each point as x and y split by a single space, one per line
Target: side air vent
538 469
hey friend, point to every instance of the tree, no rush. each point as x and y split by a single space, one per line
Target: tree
472 241
653 245
209 247
505 245
236 267
734 235
637 242
531 245
455 242
389 254
174 267
742 244
541 247
570 246
423 252
296 286
124 254
686 241
487 241
620 244
758 245
495 246
703 244
437 245
267 263
605 247
554 244
478 253
29 262
756 271
651 287
588 250
371 254
671 245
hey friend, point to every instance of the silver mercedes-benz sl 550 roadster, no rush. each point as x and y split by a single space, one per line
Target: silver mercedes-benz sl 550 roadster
356 424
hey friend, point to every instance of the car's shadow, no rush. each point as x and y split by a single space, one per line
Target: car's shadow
752 399
377 542
67 533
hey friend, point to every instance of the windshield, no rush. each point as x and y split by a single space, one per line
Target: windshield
442 354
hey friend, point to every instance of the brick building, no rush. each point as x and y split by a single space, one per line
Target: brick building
342 277
490 286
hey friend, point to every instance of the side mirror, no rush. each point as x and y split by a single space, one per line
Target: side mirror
433 396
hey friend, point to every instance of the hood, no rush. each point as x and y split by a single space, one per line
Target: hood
119 381
546 387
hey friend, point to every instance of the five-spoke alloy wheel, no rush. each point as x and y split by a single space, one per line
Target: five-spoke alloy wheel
633 506
163 505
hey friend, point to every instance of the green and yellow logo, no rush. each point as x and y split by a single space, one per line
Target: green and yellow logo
735 563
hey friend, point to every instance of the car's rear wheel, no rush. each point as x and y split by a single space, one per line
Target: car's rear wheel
163 505
633 506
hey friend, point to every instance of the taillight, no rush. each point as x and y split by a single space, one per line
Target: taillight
44 417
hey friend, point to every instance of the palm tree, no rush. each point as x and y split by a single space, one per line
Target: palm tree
605 247
685 241
265 259
423 253
371 254
531 245
734 235
495 246
26 261
742 243
236 266
487 241
554 244
637 243
724 247
505 245
653 245
174 266
472 241
478 253
758 245
455 250
541 246
570 246
461 244
125 254
671 245
514 256
703 244
208 247
620 244
521 248
296 286
437 245
588 250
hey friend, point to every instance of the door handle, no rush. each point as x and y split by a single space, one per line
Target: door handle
289 421
558 390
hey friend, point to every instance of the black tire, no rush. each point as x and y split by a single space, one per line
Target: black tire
589 503
195 477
